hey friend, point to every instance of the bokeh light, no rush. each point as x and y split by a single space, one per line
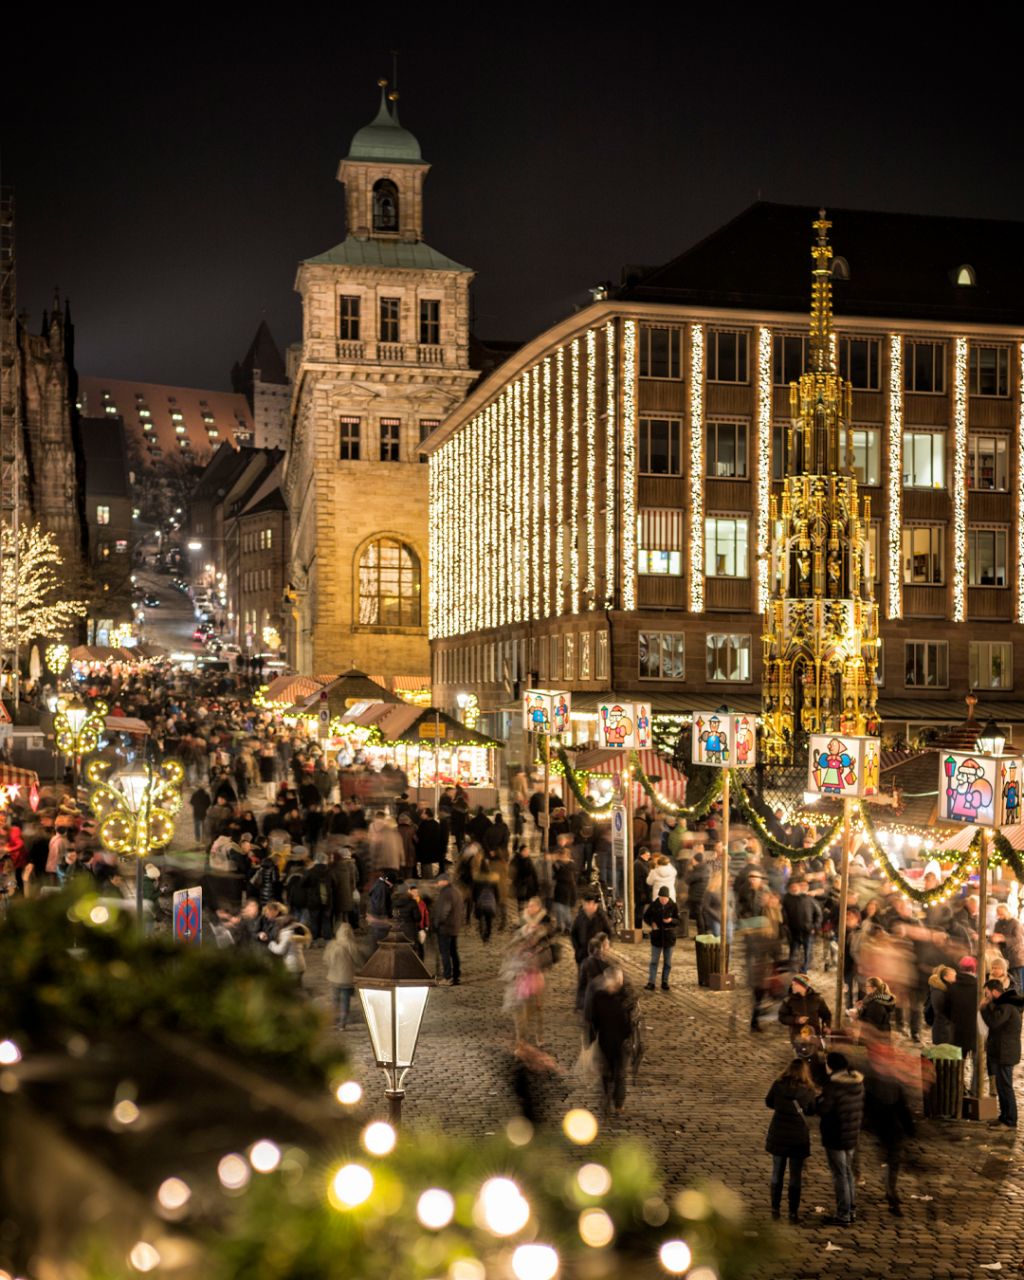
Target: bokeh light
467 1269
264 1156
143 1256
125 1112
379 1138
349 1093
502 1207
435 1209
594 1180
10 1054
596 1228
535 1262
352 1185
173 1195
233 1173
675 1256
519 1131
580 1126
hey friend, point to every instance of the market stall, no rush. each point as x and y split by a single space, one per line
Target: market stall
598 768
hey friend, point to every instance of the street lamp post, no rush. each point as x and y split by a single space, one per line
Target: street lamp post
393 987
77 731
135 787
76 713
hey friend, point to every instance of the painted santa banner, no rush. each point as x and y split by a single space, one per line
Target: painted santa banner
842 765
546 711
624 724
724 739
978 789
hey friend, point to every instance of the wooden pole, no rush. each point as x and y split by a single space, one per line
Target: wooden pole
979 1043
723 951
545 843
629 898
844 897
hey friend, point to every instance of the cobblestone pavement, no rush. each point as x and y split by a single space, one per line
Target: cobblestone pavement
699 1104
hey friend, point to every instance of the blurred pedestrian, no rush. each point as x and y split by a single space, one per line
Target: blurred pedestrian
792 1097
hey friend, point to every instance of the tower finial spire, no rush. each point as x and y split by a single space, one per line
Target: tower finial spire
820 353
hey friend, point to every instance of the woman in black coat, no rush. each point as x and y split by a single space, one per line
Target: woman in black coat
878 1008
791 1097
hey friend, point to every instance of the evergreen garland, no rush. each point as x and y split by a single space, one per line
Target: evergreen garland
691 813
580 796
960 874
778 848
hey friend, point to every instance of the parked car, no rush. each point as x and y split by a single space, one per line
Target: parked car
151 601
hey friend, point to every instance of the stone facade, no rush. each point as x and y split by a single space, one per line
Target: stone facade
385 357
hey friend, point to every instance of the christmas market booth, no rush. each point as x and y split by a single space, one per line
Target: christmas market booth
597 769
431 748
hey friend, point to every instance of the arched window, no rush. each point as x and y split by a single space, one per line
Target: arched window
965 275
840 269
389 585
385 205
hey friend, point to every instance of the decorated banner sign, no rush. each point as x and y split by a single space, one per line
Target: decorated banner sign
616 723
841 765
978 789
546 711
724 739
642 729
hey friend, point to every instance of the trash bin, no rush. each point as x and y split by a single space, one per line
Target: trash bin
709 957
944 1095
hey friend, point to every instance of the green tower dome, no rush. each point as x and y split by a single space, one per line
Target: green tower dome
384 139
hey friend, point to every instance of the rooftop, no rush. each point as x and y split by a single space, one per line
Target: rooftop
387 253
384 139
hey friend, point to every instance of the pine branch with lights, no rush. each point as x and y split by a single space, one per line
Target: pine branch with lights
778 848
34 599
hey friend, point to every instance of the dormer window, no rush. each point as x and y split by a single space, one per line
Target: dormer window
385 205
965 275
840 269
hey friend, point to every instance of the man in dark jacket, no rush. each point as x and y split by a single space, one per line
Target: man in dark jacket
200 802
641 889
697 877
446 918
802 915
379 905
320 904
662 916
590 919
962 1007
608 1019
804 1007
1001 1012
1008 932
841 1108
431 849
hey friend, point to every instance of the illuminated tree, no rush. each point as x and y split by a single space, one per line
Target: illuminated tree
34 599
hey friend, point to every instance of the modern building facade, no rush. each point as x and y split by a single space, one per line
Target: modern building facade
108 512
600 504
384 358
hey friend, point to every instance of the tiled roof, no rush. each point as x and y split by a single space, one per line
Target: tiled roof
387 253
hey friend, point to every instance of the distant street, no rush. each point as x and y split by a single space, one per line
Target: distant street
170 624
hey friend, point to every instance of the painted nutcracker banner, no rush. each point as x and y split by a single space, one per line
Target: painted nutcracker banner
724 739
979 790
546 711
642 730
841 765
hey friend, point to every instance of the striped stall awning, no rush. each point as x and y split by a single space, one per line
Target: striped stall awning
668 781
12 776
289 689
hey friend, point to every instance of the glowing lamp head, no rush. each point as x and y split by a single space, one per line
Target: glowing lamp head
76 713
134 785
991 740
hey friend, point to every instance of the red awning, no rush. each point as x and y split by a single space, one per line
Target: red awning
11 776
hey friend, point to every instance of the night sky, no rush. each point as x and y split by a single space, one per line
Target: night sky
170 186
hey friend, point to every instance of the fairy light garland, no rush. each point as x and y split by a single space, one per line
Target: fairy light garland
505 613
549 580
894 534
493 555
516 502
609 465
764 455
959 479
629 530
560 481
574 482
433 549
695 463
591 445
1020 482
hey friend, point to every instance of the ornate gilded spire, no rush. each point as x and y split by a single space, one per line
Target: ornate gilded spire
820 344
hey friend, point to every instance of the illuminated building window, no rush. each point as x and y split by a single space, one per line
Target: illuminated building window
922 555
569 657
926 664
103 550
348 318
726 540
866 454
986 557
144 413
873 568
601 656
965 275
427 425
660 541
661 447
990 664
180 429
840 269
880 663
121 547
727 356
661 655
177 416
726 450
103 515
390 309
555 666
778 451
389 585
147 426
728 657
989 373
111 409
789 359
987 462
349 439
585 651
212 433
390 439
924 368
430 322
661 352
924 460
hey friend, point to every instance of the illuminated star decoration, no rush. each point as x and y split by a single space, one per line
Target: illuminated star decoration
124 832
57 656
88 737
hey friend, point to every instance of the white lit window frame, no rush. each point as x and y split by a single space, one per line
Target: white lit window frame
1000 451
983 656
717 641
740 428
934 656
716 529
677 641
869 476
934 443
977 535
936 533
